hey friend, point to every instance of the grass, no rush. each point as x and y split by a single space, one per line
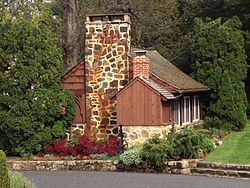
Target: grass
235 148
17 180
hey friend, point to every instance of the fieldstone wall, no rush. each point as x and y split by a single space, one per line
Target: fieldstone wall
170 167
78 165
106 58
139 134
188 166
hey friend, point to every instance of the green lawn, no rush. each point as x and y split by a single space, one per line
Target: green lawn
235 148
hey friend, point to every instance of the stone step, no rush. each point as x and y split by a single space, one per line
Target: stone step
212 165
221 172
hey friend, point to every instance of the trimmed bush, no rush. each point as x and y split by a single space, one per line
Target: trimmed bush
4 177
131 156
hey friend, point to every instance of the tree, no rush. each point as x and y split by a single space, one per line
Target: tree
32 105
219 61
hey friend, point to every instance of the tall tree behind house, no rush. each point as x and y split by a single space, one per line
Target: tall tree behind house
72 35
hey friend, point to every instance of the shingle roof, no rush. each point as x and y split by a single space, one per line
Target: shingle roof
158 88
166 71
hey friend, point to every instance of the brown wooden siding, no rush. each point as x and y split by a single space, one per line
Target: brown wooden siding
139 105
166 113
74 80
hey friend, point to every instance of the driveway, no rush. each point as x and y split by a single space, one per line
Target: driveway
80 179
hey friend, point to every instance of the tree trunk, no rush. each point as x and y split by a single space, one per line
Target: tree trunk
72 35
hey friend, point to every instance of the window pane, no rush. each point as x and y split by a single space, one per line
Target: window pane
186 110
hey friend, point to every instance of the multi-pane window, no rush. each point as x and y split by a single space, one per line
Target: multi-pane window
186 110
196 108
176 112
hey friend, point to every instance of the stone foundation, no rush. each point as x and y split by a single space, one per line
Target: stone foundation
139 134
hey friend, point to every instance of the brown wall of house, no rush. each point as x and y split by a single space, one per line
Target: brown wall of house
166 112
74 80
139 105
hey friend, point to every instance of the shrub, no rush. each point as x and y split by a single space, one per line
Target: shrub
59 148
216 123
4 177
17 180
156 150
84 146
112 146
131 156
188 142
207 145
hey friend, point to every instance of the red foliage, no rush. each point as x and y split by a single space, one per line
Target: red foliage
59 148
100 147
112 146
84 147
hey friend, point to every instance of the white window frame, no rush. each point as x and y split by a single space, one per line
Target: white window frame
196 108
177 112
185 110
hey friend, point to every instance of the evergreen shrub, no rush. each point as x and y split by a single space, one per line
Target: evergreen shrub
187 143
4 177
156 150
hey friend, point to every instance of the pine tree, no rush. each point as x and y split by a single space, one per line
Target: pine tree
219 61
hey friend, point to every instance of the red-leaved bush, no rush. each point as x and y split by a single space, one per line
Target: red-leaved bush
112 146
59 148
84 147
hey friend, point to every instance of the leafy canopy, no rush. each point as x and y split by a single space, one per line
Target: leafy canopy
31 101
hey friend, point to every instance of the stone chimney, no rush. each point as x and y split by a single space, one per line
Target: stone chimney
106 65
141 64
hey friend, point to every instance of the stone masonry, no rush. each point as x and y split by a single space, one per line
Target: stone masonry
106 57
139 134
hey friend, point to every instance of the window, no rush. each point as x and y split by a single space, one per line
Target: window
196 108
176 112
186 110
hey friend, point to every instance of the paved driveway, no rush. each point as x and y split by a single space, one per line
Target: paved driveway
79 179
